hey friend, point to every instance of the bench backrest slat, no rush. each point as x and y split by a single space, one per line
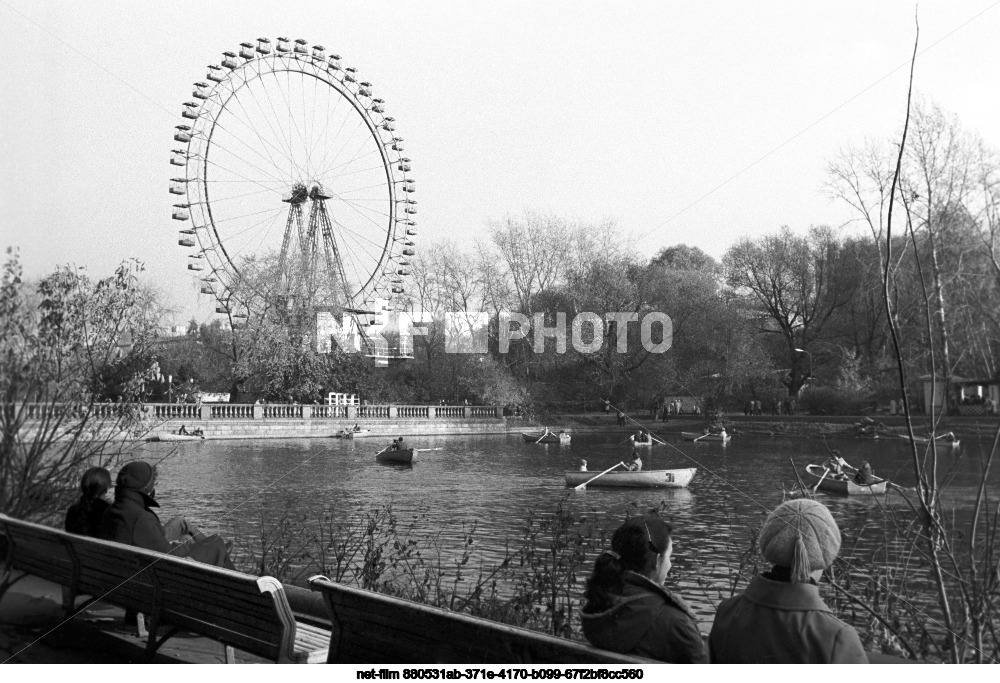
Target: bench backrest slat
371 627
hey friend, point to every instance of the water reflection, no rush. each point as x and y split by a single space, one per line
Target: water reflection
494 482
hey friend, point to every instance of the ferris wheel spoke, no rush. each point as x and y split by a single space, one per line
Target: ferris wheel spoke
347 141
230 219
235 247
242 196
291 117
247 88
258 182
356 267
249 244
364 211
338 172
231 152
363 260
254 130
294 168
326 128
315 98
305 126
345 193
278 134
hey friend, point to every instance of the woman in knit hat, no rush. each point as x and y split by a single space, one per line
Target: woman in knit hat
628 609
780 618
131 520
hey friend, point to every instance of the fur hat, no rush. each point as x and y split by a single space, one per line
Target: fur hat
138 476
801 535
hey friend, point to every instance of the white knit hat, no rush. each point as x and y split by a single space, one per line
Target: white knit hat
801 535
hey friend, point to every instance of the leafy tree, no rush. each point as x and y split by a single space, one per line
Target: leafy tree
66 345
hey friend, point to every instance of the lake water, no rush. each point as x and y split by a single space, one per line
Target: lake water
494 481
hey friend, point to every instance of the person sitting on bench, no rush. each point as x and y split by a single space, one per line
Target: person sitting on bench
85 517
131 520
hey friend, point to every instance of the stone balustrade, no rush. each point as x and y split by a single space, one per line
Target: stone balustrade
265 411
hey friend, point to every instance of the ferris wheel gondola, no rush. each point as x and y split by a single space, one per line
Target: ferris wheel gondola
292 169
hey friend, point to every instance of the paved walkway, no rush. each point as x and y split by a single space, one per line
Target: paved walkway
32 631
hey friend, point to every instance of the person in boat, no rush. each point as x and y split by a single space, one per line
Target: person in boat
182 430
781 618
357 427
131 520
398 444
84 517
636 464
638 437
836 465
583 465
628 609
198 431
865 476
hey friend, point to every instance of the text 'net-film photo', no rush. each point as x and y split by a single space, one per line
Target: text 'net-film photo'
691 355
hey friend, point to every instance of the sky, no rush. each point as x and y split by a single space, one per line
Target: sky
683 122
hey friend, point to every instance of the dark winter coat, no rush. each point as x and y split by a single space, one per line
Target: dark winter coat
85 517
778 622
648 621
131 521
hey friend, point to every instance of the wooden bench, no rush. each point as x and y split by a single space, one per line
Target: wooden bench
175 594
373 628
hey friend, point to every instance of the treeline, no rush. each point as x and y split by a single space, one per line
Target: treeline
782 311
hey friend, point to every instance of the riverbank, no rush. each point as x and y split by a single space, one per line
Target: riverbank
315 427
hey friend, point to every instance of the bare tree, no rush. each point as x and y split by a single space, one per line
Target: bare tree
796 282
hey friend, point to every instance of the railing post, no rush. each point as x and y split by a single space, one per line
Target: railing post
307 412
352 412
206 412
466 412
258 411
393 412
431 412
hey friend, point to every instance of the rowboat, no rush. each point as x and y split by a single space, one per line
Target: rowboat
351 433
175 437
646 479
546 437
946 440
403 456
640 444
842 484
699 437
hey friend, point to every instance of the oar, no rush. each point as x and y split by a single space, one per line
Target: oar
544 434
659 441
826 471
701 437
584 484
428 449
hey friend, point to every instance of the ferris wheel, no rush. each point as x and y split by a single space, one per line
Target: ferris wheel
292 169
